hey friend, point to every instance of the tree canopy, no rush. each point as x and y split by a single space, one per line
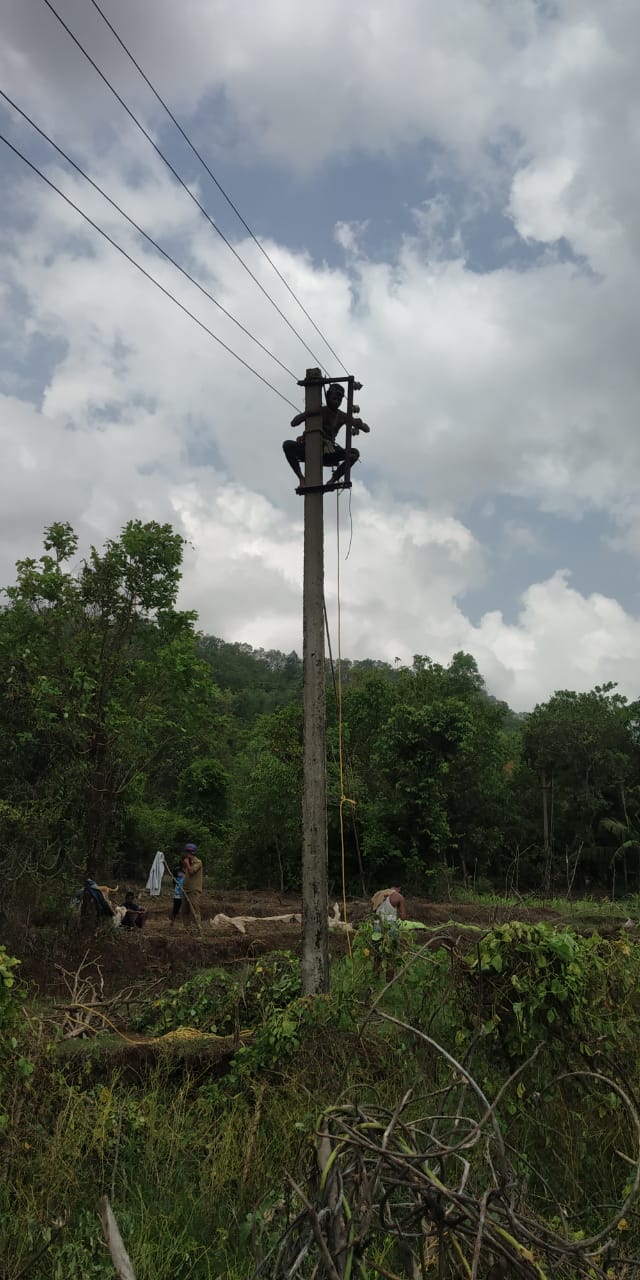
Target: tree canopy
123 730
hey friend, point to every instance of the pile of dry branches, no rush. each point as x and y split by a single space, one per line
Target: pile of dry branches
430 1190
84 1012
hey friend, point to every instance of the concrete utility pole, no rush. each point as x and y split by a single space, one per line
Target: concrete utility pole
315 905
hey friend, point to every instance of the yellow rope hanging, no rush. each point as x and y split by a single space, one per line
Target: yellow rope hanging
343 798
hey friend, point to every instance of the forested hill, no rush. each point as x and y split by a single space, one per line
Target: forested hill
123 731
262 680
259 680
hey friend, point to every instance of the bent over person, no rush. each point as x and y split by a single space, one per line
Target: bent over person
388 907
333 455
192 886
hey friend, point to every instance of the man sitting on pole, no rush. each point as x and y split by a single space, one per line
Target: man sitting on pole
333 419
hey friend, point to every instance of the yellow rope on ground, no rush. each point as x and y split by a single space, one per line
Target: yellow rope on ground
343 798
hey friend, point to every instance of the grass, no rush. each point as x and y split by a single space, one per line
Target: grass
188 1157
596 908
99 1058
182 1166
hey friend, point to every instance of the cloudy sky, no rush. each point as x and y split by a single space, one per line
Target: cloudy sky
451 190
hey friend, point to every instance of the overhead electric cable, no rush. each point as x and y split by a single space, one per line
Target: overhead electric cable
212 175
141 232
176 175
144 272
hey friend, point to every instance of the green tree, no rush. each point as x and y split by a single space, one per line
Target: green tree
583 755
429 754
101 681
267 798
257 681
203 792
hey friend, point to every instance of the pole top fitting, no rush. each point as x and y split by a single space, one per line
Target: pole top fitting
314 376
311 378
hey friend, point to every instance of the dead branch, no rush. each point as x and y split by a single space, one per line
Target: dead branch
84 1010
423 1192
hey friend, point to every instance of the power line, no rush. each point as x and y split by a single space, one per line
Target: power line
144 272
140 230
176 175
218 184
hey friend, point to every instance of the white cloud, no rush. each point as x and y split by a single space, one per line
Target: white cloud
519 537
516 382
474 385
380 76
243 567
561 640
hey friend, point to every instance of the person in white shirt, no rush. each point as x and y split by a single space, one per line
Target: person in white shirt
388 906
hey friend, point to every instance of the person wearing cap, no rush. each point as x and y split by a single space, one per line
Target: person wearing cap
333 454
192 886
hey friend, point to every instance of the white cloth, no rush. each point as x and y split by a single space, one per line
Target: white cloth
158 868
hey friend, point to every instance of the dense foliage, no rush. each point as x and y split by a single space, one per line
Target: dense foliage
108 713
195 1152
122 730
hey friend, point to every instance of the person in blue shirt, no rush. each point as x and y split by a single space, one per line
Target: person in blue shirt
179 874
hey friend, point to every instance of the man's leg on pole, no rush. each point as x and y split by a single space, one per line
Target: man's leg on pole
294 453
339 455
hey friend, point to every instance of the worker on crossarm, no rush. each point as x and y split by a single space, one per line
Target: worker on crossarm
333 419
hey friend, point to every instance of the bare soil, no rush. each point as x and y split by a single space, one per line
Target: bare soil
169 953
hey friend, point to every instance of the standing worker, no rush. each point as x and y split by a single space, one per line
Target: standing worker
192 887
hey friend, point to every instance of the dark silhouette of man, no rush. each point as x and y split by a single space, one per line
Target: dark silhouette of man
333 419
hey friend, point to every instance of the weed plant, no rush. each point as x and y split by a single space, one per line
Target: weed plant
195 1161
